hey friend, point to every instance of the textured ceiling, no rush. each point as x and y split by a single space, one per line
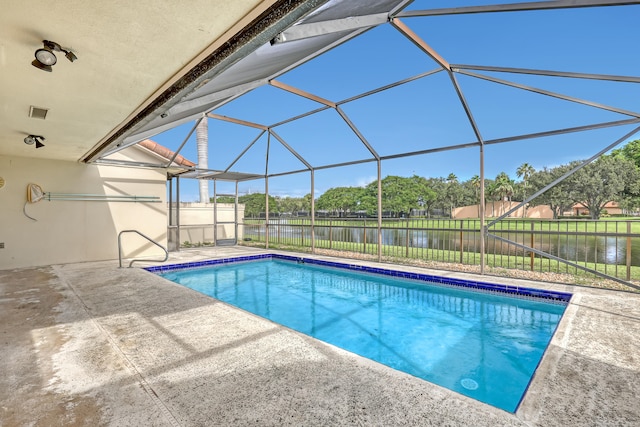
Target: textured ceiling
128 52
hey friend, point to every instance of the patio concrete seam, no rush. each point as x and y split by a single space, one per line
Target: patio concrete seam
569 315
125 360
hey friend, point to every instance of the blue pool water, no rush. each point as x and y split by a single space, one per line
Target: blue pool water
483 345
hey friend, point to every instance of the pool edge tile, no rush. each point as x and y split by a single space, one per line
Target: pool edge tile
472 285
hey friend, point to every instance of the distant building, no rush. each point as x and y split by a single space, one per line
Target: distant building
495 209
612 208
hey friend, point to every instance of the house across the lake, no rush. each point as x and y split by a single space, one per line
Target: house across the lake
495 209
611 208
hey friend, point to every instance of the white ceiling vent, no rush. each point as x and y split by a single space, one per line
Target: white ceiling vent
38 113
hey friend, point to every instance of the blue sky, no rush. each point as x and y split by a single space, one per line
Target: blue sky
427 113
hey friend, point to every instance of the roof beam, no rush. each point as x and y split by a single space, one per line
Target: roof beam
303 31
244 151
389 86
411 153
563 131
408 33
514 7
300 116
465 106
357 132
476 144
177 152
237 121
291 150
550 73
552 94
222 96
302 93
356 97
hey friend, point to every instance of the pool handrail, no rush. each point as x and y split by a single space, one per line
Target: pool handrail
166 253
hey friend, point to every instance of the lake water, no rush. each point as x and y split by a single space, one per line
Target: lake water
600 249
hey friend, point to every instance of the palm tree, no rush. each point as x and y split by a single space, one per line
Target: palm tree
202 141
525 171
452 180
490 191
504 188
475 182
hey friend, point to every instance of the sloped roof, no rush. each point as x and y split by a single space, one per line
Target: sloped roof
332 24
166 153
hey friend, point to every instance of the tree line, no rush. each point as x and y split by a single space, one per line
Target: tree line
614 177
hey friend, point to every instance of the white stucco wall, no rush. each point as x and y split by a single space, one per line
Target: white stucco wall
77 231
494 209
196 222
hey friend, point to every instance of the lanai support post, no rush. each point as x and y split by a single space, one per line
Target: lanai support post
266 212
170 180
483 229
235 212
178 213
313 213
215 213
266 194
170 233
379 210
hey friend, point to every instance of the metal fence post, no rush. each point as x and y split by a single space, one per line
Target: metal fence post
628 251
330 233
461 242
407 244
532 255
364 237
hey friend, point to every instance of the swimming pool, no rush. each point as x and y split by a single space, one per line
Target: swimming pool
479 339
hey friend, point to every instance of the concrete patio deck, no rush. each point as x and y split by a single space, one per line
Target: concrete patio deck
92 344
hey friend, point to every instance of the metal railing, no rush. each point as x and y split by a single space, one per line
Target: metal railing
611 247
166 253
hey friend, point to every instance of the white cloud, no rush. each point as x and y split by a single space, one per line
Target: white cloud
365 180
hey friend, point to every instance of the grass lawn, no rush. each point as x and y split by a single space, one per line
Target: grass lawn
556 232
607 225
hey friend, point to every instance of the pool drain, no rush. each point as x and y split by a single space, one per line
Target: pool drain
469 384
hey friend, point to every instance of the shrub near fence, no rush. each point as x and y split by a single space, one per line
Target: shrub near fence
611 247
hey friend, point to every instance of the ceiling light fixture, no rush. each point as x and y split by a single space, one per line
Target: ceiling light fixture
37 139
45 58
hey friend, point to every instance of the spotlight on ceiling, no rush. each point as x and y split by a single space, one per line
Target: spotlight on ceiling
37 139
45 58
70 56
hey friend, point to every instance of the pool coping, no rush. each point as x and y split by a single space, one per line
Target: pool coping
557 297
133 320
